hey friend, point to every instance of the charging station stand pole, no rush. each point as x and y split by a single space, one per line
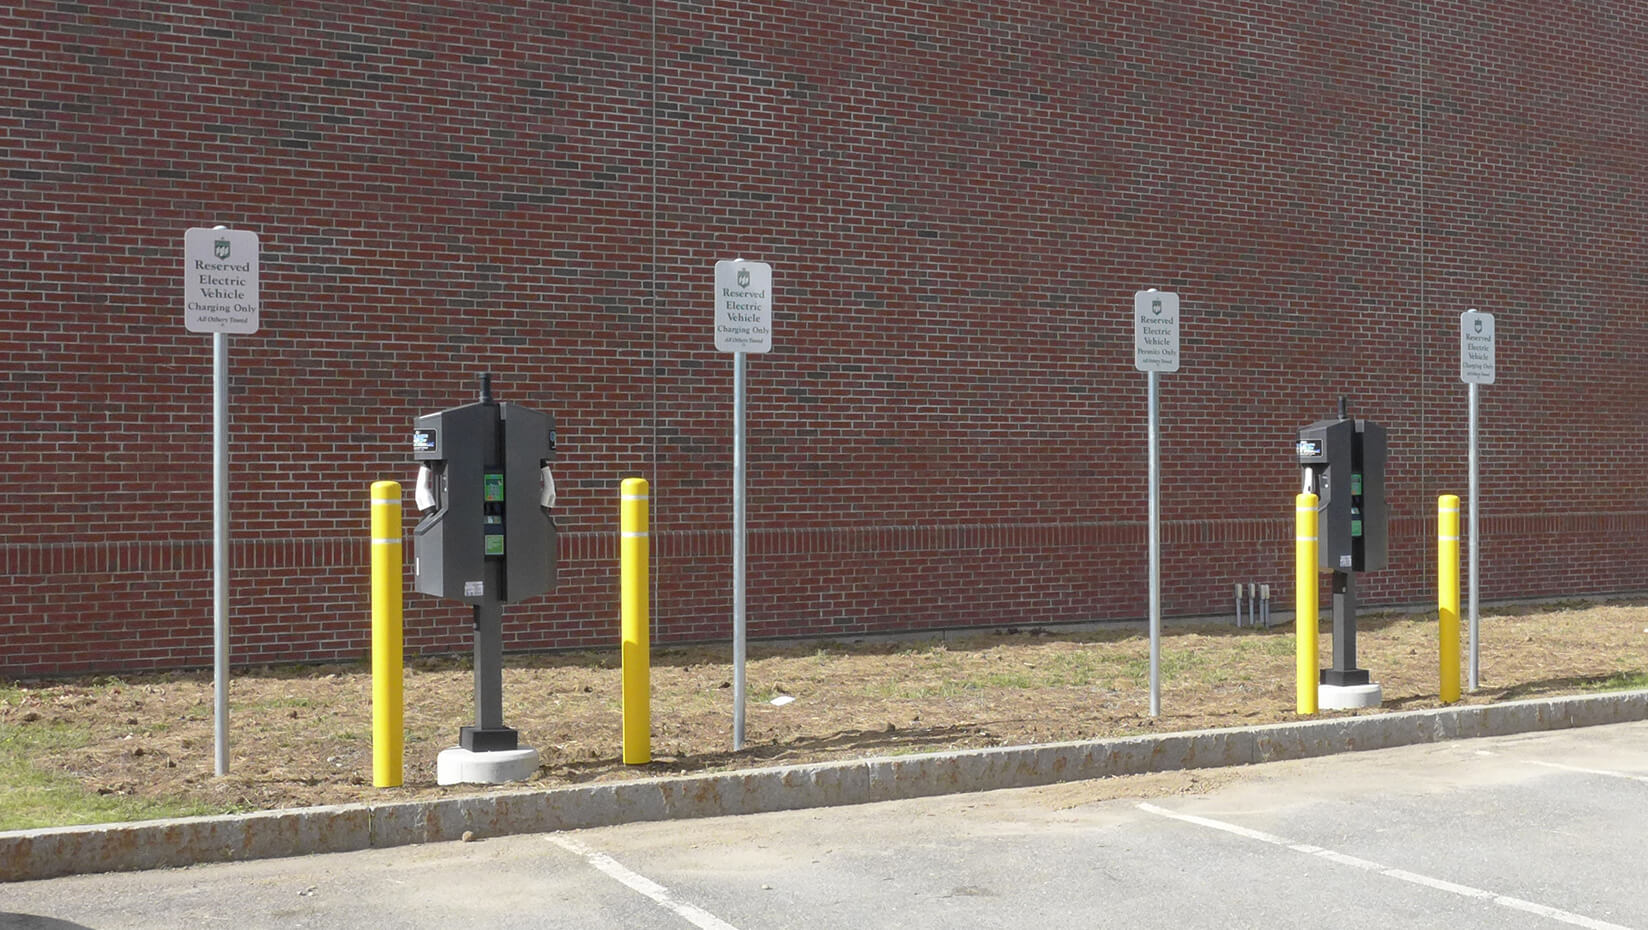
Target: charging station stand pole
487 753
1345 672
489 732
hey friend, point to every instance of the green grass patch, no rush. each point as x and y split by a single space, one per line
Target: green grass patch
32 797
276 703
1265 646
1621 681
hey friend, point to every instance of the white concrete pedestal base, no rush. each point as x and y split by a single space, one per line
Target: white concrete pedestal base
459 766
1348 697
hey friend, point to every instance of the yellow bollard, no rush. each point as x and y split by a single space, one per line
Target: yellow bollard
387 711
632 612
1304 603
1447 593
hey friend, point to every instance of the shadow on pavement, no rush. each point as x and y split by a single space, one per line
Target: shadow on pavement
9 921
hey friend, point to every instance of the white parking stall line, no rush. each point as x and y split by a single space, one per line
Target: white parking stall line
640 884
1506 901
1583 771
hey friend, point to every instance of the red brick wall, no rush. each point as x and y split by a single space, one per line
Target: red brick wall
958 201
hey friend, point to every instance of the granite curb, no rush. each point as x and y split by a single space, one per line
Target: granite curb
47 853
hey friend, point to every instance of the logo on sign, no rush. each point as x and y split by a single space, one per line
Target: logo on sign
1156 307
1478 325
743 277
220 248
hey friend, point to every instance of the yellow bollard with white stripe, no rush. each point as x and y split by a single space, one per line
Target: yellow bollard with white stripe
1305 617
388 768
636 656
1447 594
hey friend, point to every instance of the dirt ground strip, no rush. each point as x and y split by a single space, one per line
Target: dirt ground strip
303 736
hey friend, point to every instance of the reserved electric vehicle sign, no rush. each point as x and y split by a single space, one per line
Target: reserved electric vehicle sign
1156 331
220 280
1476 347
743 306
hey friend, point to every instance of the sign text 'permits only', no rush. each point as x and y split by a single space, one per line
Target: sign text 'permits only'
220 280
1156 331
743 306
1476 347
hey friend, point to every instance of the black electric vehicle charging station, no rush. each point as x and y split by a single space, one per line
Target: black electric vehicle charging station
1343 461
487 536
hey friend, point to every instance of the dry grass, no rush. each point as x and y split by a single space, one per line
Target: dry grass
303 736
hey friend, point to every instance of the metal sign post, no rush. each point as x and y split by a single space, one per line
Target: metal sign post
1154 470
220 296
739 573
1155 350
743 324
1473 565
1476 366
220 551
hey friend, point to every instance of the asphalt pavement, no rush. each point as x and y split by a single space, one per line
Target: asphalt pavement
1546 829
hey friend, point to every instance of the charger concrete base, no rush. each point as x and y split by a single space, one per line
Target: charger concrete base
460 766
1348 697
